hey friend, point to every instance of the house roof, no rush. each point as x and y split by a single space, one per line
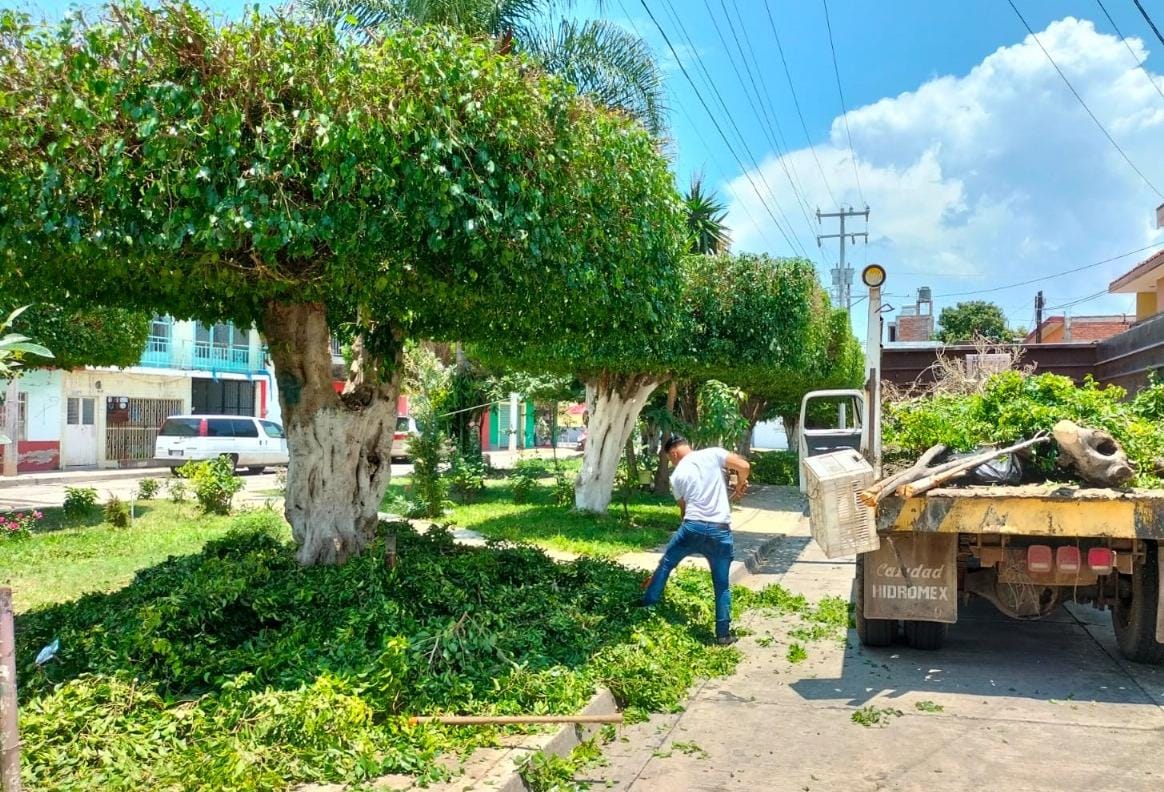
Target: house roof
1086 328
1142 278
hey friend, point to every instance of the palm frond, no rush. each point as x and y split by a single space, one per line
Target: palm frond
473 17
606 62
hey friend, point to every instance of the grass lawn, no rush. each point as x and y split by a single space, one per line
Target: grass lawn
62 562
645 524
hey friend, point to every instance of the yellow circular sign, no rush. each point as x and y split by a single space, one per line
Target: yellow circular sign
873 275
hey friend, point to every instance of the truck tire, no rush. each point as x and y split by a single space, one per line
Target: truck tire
870 632
926 635
1134 614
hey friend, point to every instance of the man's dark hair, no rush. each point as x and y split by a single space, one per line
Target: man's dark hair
674 441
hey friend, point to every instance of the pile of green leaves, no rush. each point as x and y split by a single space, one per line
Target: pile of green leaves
1012 406
775 467
239 669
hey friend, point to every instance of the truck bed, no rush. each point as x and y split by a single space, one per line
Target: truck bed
1050 509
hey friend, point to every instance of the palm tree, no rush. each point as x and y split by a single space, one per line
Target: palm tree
611 65
705 220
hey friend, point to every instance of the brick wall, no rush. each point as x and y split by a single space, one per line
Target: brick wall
915 328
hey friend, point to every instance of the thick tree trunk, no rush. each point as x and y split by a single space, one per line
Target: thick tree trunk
791 430
663 471
340 444
752 408
618 399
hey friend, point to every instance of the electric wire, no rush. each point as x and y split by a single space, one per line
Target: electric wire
1131 51
1148 19
841 94
1082 103
1052 277
715 122
796 102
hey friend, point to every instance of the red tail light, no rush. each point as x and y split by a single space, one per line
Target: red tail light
1039 558
1101 560
1067 559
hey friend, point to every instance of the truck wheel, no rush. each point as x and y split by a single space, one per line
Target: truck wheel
1134 615
926 635
870 632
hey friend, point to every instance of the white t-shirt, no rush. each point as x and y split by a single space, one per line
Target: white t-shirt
698 480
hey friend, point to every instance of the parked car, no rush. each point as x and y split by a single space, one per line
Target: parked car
248 442
405 431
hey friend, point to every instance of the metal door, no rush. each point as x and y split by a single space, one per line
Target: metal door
80 440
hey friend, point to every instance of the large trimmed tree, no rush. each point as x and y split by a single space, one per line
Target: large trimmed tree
95 336
276 172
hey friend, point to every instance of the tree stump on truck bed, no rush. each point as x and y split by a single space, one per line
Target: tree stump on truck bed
1093 454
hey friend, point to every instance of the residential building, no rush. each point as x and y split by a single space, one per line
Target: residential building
109 417
914 323
1079 329
1146 281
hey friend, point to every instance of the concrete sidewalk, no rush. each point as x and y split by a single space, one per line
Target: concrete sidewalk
1044 706
81 476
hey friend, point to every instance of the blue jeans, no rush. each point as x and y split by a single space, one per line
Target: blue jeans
714 542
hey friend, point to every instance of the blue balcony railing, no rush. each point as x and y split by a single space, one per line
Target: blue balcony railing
221 358
157 352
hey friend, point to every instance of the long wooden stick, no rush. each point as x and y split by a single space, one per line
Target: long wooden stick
9 728
933 480
498 720
873 495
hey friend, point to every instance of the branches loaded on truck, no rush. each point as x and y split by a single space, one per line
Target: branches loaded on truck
926 542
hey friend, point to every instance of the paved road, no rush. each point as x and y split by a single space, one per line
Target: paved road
1025 706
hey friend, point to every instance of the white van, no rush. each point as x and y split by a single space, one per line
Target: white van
248 442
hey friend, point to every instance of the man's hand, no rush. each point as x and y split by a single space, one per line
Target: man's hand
740 466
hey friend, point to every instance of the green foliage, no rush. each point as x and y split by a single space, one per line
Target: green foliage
19 525
720 421
236 668
705 220
177 489
563 488
775 467
97 336
427 380
415 177
1012 406
544 772
928 706
973 320
116 512
525 477
79 502
14 347
796 653
871 716
467 476
214 484
147 488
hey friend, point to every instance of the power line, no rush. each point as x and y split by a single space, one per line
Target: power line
715 122
1052 277
769 117
841 93
796 102
1079 301
767 130
1082 103
1131 51
1148 19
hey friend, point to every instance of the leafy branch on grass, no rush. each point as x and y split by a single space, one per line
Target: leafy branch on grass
871 716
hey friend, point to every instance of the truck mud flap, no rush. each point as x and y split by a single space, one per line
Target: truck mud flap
913 577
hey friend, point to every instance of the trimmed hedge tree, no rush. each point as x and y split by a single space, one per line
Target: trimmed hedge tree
87 337
276 172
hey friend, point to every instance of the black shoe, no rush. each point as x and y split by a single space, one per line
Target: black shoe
726 640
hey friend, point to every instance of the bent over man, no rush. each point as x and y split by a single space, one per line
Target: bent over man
697 482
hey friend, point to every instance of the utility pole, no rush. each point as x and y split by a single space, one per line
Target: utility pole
843 275
1040 303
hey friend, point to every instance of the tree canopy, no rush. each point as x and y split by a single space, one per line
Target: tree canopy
972 320
277 171
95 336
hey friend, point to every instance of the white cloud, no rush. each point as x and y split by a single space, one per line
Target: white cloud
992 177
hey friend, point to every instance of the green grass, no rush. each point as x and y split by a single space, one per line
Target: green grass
493 514
61 563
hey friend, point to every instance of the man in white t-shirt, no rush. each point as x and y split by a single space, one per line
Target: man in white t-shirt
697 482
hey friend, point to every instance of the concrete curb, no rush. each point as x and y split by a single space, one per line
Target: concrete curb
749 561
82 477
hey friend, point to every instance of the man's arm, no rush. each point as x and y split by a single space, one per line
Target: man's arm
682 509
742 469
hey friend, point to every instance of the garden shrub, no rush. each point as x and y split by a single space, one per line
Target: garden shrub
563 488
239 669
19 525
524 482
147 488
79 502
177 489
214 483
467 476
775 467
116 512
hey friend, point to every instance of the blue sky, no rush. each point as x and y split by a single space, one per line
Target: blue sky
980 168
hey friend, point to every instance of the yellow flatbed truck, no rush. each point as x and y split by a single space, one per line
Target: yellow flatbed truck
1026 549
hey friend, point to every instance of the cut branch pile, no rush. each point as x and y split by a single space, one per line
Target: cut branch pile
922 478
